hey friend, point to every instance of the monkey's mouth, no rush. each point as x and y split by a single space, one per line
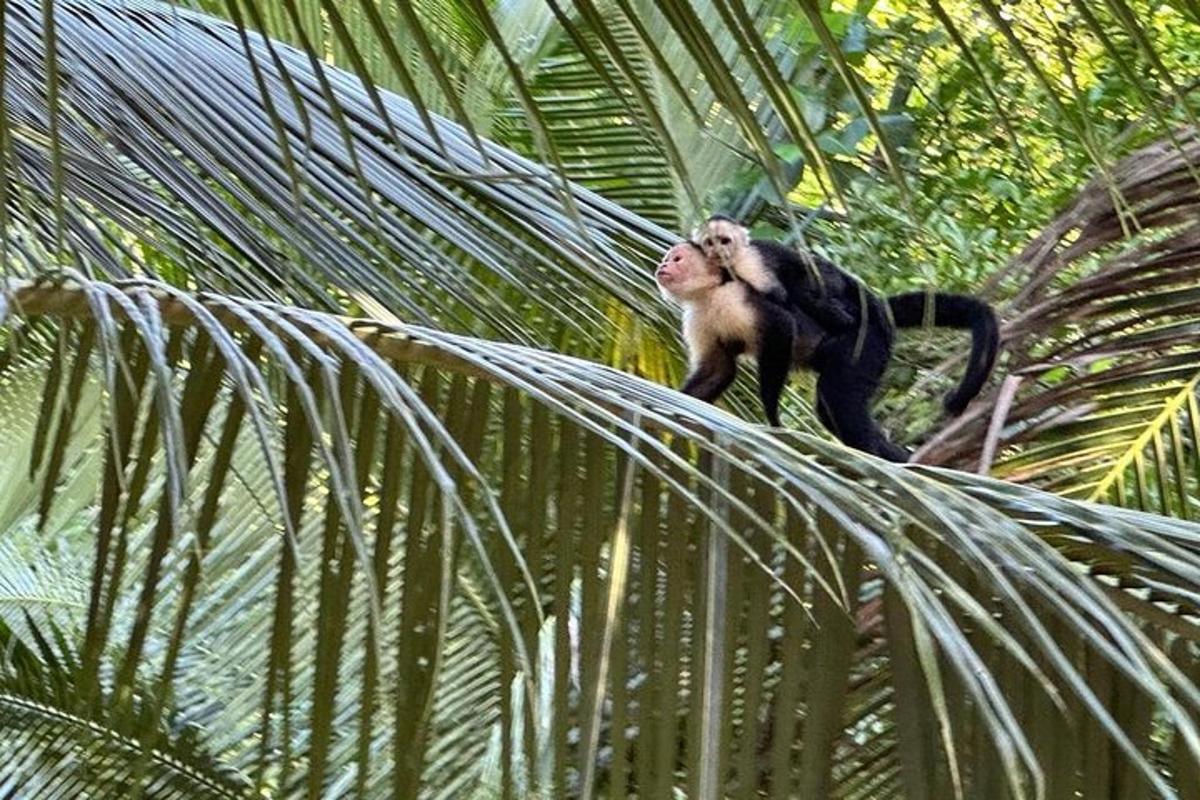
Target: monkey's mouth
665 275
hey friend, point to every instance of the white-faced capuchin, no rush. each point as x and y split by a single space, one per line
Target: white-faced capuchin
852 341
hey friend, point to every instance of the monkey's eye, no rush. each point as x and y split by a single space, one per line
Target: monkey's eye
677 258
708 242
725 240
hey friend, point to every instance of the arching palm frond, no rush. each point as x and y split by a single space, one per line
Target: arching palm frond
299 518
249 167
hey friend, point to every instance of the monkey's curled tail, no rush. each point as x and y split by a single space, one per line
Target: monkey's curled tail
955 311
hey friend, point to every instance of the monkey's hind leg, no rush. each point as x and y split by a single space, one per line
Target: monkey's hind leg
848 407
825 417
844 392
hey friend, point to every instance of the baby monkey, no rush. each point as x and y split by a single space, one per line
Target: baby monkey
808 283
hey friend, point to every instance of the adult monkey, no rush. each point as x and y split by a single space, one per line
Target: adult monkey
856 328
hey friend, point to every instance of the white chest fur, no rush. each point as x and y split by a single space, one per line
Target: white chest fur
724 316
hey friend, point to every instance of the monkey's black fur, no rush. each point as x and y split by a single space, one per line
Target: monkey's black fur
849 366
776 335
846 384
955 311
814 285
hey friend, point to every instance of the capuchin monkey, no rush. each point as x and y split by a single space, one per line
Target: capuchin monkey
724 318
853 343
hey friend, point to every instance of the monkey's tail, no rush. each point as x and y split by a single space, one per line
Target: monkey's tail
955 311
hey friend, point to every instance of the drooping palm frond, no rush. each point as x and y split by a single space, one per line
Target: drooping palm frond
244 165
238 164
300 519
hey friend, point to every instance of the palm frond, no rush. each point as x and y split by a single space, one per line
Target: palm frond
311 501
299 188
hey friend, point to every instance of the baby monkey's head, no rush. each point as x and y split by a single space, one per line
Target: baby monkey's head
722 239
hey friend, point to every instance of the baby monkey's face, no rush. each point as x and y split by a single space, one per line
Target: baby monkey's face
721 240
685 273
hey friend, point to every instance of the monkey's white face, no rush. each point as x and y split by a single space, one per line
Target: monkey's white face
686 274
722 240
